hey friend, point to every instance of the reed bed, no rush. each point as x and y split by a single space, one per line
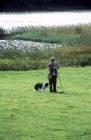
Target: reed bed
74 50
66 35
39 59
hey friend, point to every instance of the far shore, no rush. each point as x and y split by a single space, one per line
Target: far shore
44 9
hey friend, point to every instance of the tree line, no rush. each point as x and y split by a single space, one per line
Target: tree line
42 4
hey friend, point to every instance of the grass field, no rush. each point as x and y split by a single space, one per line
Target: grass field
26 115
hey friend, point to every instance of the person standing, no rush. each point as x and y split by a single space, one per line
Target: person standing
52 75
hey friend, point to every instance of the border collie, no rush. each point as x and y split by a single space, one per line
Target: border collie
41 86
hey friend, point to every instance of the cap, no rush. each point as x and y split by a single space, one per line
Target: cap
52 58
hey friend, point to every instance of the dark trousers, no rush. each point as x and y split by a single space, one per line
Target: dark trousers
52 83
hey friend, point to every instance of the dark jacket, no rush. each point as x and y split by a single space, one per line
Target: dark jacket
52 70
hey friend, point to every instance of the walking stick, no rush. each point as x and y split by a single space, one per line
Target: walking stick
61 84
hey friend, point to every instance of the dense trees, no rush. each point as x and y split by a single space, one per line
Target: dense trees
40 4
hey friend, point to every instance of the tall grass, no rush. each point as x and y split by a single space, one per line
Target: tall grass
39 59
2 31
75 50
66 35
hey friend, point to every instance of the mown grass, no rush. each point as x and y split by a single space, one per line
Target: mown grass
25 114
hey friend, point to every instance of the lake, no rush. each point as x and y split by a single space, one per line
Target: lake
58 18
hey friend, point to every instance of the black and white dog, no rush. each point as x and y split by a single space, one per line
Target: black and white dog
41 86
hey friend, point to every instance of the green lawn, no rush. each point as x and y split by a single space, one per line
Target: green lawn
26 115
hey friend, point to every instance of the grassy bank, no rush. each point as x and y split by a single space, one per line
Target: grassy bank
34 116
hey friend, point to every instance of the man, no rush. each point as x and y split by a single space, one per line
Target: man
52 76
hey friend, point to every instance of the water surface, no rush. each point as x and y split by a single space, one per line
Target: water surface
13 20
